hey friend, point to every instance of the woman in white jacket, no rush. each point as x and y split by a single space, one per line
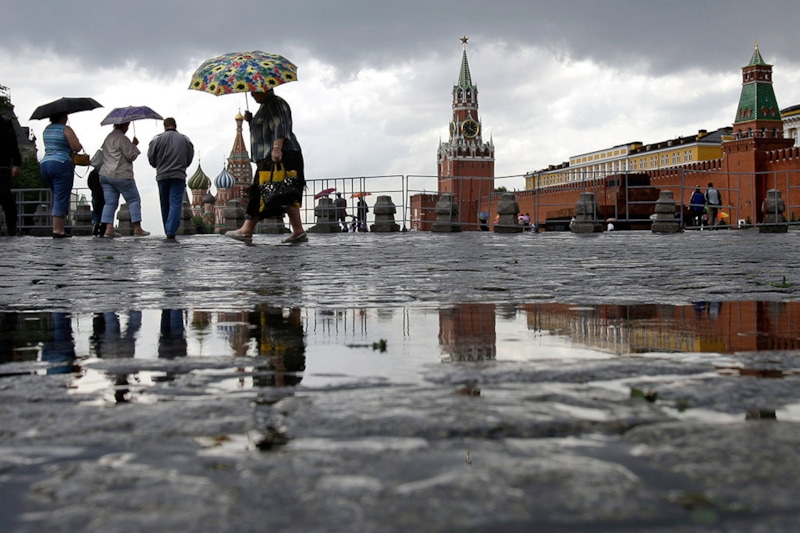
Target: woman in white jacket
116 177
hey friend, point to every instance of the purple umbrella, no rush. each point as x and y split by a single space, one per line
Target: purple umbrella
121 115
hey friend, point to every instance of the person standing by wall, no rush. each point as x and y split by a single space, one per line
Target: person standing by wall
341 210
714 200
170 153
10 164
361 214
697 206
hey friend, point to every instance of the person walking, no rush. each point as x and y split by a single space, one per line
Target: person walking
57 169
10 164
171 153
272 141
116 177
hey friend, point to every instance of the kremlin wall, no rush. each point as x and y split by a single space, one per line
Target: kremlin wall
757 153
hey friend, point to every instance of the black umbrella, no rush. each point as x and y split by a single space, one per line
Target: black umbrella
65 105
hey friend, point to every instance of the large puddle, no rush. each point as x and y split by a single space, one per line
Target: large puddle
270 346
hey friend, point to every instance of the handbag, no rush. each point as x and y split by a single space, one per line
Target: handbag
80 160
279 188
97 159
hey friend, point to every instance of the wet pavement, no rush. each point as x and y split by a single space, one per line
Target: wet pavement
401 382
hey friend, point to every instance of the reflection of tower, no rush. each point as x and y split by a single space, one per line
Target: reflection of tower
235 327
467 332
239 162
199 184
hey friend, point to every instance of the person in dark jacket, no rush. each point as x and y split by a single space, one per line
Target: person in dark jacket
170 153
697 205
10 164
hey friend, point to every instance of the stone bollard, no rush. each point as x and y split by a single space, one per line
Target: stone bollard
325 214
83 220
507 213
124 217
43 225
665 221
186 227
272 225
773 209
233 215
384 210
586 212
446 215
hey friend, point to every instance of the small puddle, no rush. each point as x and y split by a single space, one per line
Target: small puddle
317 347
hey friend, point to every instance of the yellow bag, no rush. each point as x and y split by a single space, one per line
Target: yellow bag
280 195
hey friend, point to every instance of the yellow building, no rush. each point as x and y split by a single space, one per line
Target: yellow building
632 157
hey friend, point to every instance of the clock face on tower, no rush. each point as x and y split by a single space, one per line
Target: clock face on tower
470 128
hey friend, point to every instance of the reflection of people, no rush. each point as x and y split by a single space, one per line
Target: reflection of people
10 163
361 214
170 153
172 340
341 210
60 350
57 170
272 141
282 340
108 339
714 200
116 177
697 204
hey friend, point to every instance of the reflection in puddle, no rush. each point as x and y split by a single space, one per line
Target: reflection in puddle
284 347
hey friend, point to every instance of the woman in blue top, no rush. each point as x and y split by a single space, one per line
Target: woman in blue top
57 169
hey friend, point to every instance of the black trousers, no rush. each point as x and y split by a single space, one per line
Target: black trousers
292 160
7 200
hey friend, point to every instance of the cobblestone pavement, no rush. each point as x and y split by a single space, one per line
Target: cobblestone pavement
86 274
558 444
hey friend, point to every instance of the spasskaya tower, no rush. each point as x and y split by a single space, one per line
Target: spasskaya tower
465 163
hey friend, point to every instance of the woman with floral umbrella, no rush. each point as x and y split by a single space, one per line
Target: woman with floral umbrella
272 138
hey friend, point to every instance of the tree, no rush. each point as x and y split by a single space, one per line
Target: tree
5 102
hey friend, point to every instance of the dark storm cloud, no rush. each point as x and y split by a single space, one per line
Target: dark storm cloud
162 35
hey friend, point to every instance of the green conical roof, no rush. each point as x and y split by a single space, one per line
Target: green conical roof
757 100
464 76
756 59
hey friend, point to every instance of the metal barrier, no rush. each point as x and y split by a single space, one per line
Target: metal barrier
34 207
621 197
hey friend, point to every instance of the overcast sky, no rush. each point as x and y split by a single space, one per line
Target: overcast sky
374 95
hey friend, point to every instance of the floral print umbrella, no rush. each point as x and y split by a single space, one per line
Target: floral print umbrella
243 72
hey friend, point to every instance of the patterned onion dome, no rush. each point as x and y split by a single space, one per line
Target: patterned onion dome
225 180
199 181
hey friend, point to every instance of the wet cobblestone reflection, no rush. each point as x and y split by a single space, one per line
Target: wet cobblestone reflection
289 346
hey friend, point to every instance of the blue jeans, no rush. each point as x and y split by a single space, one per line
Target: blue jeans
58 177
112 188
171 193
